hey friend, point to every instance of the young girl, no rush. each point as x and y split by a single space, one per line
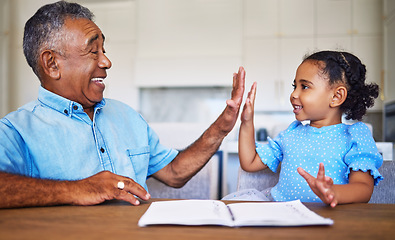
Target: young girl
327 85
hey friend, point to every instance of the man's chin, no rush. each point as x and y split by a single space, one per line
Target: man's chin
96 99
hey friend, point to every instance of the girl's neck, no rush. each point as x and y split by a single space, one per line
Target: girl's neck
326 122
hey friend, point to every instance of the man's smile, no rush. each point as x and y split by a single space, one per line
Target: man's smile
98 81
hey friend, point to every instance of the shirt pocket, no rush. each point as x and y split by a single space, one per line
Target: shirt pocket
140 161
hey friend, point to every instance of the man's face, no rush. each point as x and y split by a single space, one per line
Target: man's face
83 68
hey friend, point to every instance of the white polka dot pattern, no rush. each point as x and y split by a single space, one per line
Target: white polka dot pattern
340 147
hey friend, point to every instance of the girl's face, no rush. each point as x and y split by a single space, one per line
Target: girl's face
312 96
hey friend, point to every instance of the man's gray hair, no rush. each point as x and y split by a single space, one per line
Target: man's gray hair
43 31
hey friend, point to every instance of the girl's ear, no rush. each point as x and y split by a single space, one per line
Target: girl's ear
50 64
339 96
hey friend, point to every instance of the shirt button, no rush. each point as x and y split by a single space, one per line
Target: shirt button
75 107
102 150
65 111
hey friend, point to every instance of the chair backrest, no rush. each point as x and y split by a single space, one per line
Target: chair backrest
204 185
259 180
384 192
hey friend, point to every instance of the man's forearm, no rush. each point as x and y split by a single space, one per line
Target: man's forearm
191 160
20 191
206 146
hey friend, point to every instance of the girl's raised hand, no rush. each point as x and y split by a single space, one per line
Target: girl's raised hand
321 186
248 109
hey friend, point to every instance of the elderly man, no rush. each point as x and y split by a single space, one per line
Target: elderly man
71 146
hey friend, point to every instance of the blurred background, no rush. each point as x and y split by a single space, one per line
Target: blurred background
173 60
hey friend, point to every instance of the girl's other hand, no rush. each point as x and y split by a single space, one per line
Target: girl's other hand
322 186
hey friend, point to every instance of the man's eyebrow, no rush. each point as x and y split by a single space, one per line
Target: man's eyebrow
94 38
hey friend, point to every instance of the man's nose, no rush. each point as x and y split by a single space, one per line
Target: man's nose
105 62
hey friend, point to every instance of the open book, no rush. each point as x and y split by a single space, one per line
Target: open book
213 212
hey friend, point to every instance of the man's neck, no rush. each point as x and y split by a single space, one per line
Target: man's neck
90 111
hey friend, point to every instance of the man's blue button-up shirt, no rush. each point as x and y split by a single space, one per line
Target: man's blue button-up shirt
53 138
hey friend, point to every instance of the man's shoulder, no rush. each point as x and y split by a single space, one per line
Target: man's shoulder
19 116
24 110
115 107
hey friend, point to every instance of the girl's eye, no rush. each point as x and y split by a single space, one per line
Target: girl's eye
293 86
305 86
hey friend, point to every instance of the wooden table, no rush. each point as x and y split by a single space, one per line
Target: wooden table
118 220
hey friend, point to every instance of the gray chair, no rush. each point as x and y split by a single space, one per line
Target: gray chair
384 192
204 185
259 180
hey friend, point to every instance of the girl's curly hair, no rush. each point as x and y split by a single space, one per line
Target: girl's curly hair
346 68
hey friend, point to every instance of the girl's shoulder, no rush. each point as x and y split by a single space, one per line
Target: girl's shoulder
293 127
357 129
358 135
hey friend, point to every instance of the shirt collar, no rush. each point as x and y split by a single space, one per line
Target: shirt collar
61 104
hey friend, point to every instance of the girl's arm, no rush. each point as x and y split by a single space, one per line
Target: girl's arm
249 159
359 188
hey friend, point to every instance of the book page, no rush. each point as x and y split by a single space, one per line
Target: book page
292 213
187 212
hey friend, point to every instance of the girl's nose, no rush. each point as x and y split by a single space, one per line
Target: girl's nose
294 95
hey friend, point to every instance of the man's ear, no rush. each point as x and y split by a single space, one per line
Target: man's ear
50 64
339 96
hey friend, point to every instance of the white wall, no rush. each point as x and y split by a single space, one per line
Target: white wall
22 84
389 50
4 42
250 41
